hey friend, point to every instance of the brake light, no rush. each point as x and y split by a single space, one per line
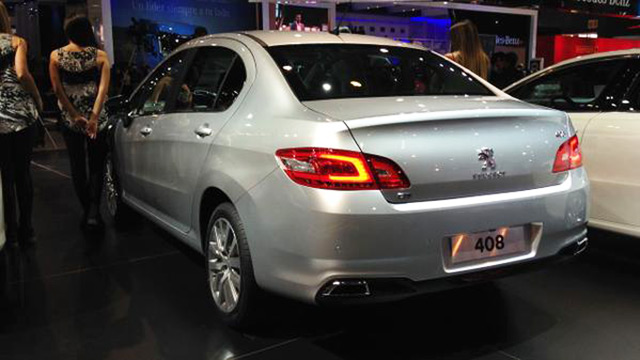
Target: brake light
340 169
569 156
388 173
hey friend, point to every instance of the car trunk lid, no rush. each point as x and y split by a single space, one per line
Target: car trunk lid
456 146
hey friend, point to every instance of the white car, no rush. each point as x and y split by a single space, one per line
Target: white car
601 93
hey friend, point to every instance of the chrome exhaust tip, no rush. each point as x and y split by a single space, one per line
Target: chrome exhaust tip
581 246
346 288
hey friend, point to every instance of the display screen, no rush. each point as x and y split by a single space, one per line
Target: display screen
334 71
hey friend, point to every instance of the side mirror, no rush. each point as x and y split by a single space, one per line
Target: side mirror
126 120
117 109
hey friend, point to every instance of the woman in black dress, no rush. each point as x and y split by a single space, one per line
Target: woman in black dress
80 75
19 105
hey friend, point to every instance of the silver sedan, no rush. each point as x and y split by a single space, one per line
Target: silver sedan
342 169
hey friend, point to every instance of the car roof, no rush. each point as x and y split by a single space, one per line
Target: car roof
269 38
606 55
600 55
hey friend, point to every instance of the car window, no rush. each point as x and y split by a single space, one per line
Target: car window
203 80
153 96
334 71
579 88
232 86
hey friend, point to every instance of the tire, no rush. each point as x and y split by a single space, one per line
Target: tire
121 214
230 276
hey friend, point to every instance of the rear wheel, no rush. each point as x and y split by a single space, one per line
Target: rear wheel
229 269
120 212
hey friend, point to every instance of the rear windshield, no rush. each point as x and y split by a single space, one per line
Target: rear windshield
335 71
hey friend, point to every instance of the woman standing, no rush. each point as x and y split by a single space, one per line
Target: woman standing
19 105
466 48
80 75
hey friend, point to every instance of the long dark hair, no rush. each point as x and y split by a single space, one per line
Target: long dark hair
466 41
79 31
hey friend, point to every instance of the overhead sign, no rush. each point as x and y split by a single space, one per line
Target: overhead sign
508 41
619 7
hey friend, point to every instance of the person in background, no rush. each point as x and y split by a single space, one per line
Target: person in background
498 63
20 102
466 48
514 72
80 75
505 71
297 24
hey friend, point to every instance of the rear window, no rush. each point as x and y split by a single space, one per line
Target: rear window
335 71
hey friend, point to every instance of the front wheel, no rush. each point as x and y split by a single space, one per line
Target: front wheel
120 212
229 269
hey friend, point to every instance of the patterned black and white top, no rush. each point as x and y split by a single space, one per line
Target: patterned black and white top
17 108
80 77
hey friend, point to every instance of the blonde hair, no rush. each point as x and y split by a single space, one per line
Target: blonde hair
467 48
5 22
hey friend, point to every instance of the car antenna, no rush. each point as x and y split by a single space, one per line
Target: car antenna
336 31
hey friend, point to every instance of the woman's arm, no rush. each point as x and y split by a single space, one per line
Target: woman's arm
54 74
22 70
103 91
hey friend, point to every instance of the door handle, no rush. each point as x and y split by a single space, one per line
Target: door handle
204 131
145 131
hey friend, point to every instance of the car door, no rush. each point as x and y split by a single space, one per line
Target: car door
204 101
612 155
148 103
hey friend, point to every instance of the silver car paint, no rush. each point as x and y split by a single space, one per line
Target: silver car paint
428 130
302 237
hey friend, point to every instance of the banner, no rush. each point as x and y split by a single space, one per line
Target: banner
145 31
615 7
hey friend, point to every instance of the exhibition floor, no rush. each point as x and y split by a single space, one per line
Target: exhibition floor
142 295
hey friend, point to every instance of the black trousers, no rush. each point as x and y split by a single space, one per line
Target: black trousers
15 164
87 158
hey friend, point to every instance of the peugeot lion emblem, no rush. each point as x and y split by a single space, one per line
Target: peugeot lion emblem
486 155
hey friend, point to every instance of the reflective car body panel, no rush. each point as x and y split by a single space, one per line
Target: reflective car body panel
611 154
300 237
607 134
422 127
361 235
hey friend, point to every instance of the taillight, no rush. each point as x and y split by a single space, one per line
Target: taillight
341 169
569 156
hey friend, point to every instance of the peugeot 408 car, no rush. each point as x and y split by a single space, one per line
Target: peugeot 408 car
342 169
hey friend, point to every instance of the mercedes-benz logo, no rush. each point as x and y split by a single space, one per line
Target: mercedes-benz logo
485 155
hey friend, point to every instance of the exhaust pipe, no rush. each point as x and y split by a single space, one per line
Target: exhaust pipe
346 288
581 246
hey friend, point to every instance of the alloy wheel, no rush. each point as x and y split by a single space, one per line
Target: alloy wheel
110 189
223 261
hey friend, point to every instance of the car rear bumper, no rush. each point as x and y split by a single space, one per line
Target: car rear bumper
379 290
303 239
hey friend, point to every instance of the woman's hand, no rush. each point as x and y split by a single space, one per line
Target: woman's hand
80 121
92 126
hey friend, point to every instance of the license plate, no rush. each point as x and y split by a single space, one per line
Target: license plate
488 244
